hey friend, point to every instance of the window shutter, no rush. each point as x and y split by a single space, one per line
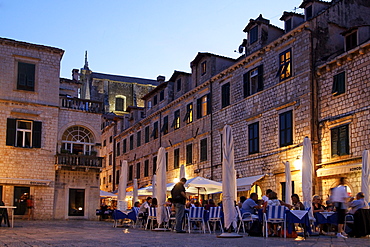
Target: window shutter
260 78
246 84
343 138
341 83
209 106
36 134
334 142
10 131
335 85
199 108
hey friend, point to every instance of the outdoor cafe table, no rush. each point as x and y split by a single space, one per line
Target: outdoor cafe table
326 218
118 215
5 215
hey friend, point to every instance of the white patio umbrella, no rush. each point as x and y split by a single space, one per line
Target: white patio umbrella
121 198
182 172
229 180
154 179
135 196
107 194
288 184
200 185
365 180
161 188
307 170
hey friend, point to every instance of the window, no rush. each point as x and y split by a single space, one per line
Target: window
225 94
124 146
104 143
204 67
146 134
118 149
23 133
149 104
176 120
339 141
166 161
165 125
204 106
138 139
120 104
78 140
26 76
138 170
288 25
189 154
176 158
178 85
339 84
253 138
283 190
308 12
161 95
130 172
110 159
131 142
146 168
285 61
155 100
253 35
189 113
117 177
253 81
286 129
351 41
110 139
155 130
154 165
110 179
203 149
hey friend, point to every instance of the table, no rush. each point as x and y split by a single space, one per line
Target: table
118 215
6 214
291 218
326 218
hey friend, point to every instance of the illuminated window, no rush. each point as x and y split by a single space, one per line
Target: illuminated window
204 106
285 69
176 120
204 67
189 113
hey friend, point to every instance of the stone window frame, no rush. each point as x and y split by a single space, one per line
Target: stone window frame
253 35
225 94
147 134
346 121
203 149
26 60
339 83
283 113
176 120
138 138
247 81
164 129
13 129
189 116
285 65
351 40
178 85
189 154
123 98
146 168
203 67
176 158
253 149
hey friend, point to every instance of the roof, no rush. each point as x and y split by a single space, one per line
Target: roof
123 78
306 2
30 45
130 108
289 14
200 55
176 73
259 20
69 81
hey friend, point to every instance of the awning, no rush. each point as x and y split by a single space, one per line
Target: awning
335 170
107 194
25 181
246 183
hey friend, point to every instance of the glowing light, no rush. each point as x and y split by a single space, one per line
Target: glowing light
80 208
176 180
297 164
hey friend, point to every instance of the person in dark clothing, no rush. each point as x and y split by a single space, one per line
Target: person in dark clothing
179 198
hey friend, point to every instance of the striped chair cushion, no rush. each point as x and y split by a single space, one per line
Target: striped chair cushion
152 212
196 213
275 213
214 212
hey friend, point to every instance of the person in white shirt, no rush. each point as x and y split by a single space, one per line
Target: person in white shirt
265 198
358 203
339 197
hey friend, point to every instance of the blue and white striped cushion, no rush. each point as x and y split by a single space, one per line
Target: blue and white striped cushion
275 213
214 212
196 212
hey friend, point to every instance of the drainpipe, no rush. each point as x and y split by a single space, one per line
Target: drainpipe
114 156
210 89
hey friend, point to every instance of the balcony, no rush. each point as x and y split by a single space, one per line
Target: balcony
74 161
81 104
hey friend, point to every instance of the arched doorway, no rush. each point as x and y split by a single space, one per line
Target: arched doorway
77 140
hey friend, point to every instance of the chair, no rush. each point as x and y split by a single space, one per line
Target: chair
139 219
214 216
349 219
196 215
274 214
152 217
243 218
170 219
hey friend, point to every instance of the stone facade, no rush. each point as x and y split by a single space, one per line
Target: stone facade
277 93
36 108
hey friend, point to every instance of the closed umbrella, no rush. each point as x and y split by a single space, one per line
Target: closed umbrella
365 180
182 172
228 180
288 183
161 188
307 170
154 179
135 196
121 198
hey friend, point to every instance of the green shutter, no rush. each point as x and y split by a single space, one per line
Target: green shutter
10 131
246 84
36 134
260 78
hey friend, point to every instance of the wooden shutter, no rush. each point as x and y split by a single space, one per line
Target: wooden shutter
260 78
36 134
10 131
246 84
334 142
199 108
209 106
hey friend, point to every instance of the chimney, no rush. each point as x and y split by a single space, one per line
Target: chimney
161 79
75 75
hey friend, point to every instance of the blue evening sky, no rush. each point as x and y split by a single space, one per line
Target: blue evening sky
140 38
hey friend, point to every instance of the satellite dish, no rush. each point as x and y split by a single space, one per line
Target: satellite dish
241 49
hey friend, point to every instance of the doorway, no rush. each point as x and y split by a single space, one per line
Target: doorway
76 205
19 201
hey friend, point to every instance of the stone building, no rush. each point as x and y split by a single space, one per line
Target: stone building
49 137
278 92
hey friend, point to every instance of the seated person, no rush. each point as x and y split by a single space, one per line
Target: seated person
154 203
137 204
358 203
265 198
143 210
272 201
190 203
316 208
242 200
210 204
297 204
250 205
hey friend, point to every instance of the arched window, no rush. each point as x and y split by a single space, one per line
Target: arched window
77 140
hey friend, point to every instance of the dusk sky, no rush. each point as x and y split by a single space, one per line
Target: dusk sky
139 38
